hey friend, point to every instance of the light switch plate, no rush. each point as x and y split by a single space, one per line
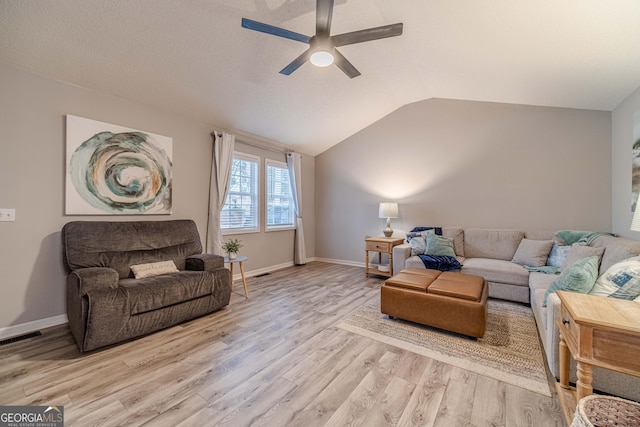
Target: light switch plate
7 214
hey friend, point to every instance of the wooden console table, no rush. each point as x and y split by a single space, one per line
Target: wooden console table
381 245
598 331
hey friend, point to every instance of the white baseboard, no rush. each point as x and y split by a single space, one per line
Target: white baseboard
343 262
259 271
25 328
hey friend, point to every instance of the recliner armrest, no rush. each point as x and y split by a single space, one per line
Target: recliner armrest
85 279
204 262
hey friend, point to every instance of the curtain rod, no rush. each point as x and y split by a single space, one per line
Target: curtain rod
262 147
251 144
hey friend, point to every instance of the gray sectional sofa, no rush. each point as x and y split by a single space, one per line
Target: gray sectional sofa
107 304
488 253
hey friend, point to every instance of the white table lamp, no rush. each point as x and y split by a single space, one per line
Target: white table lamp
388 210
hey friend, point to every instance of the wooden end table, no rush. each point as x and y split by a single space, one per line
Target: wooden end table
596 331
381 245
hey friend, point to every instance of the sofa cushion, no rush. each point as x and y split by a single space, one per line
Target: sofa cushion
496 244
533 253
578 252
621 280
495 270
541 280
457 234
541 235
413 262
617 249
578 277
158 292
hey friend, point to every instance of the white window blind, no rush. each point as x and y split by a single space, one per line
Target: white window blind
279 198
240 211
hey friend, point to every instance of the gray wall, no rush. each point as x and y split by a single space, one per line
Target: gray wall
32 168
622 143
463 163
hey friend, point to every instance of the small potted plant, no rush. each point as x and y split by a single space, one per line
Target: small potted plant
232 247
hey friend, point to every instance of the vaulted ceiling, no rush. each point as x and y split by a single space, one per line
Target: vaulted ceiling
192 57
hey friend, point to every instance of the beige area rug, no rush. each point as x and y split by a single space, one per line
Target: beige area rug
509 351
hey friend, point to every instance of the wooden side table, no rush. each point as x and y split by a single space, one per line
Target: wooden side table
381 245
597 331
239 259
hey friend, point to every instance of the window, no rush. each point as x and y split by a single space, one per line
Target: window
240 210
279 198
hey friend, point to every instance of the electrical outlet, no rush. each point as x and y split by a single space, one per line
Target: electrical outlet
7 214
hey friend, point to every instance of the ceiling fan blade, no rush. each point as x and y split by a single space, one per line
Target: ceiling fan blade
345 65
368 34
296 63
324 11
276 31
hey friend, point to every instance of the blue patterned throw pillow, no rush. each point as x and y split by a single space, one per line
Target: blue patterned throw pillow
621 280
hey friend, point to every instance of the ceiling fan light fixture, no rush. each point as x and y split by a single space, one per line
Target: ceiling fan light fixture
321 58
322 50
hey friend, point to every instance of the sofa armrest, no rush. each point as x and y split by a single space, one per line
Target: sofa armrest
204 262
400 254
84 280
553 334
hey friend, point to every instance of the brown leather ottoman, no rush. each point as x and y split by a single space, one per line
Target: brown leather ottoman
453 301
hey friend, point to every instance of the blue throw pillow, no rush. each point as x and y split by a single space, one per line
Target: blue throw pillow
579 277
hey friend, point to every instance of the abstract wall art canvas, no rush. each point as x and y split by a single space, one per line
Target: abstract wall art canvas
113 170
635 167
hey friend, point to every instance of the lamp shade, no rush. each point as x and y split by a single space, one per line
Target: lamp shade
388 210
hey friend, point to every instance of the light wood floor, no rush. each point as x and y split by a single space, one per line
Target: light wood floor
276 359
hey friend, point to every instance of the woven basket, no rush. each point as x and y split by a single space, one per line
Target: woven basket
601 411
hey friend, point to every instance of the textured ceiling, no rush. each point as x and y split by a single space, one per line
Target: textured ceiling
192 57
